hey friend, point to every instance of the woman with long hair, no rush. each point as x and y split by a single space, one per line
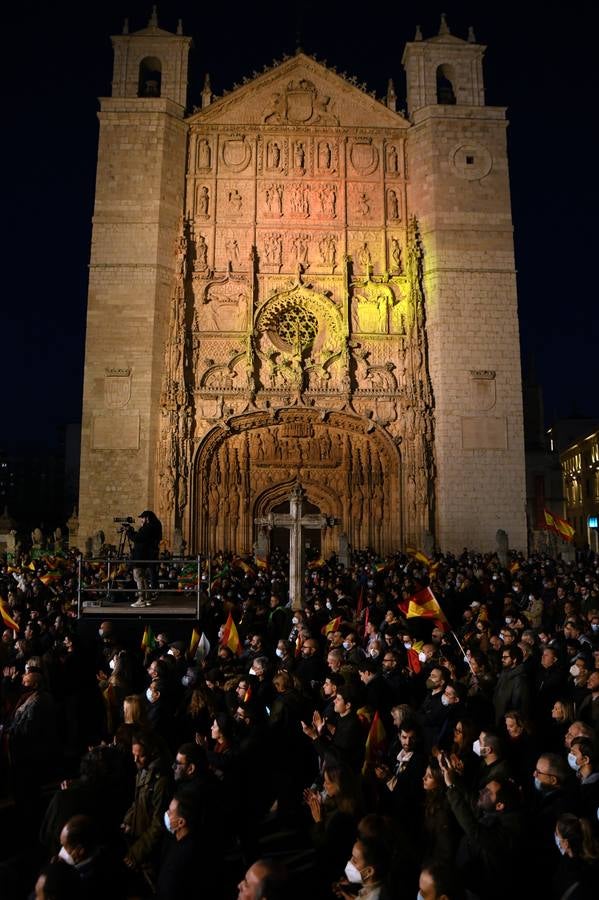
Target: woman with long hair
576 876
335 814
440 836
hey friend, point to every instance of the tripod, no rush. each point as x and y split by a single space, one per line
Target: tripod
124 548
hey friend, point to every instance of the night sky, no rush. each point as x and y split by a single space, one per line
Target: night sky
539 64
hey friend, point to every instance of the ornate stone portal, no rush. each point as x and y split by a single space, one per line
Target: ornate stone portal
293 292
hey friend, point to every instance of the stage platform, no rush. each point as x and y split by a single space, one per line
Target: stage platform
117 605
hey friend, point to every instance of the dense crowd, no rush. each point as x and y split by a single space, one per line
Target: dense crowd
369 744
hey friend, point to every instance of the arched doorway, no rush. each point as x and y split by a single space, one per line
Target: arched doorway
348 467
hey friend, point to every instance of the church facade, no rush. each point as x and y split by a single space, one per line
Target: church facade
302 308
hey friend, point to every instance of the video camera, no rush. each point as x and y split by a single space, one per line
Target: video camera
125 522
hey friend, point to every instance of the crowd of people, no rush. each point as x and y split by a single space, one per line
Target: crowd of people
383 741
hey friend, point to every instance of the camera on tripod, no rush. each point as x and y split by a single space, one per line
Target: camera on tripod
124 521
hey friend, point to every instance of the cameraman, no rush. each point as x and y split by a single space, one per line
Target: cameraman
146 546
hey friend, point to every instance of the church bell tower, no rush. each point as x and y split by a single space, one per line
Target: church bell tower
458 188
139 199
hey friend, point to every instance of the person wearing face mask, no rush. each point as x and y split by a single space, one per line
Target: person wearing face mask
100 873
285 656
577 872
580 669
583 759
493 765
183 853
367 867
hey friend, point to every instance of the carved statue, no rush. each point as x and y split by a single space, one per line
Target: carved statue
201 262
392 204
235 200
203 201
328 201
364 257
275 155
299 155
326 155
328 250
392 162
364 204
396 254
204 154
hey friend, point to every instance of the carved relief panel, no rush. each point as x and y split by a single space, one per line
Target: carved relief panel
222 305
235 201
365 204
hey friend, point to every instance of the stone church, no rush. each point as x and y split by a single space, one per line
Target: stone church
302 314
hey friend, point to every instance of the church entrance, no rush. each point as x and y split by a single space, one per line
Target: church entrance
307 483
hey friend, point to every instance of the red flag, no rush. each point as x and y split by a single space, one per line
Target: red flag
230 636
424 605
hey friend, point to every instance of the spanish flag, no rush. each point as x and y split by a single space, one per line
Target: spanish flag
6 616
414 664
559 526
333 625
230 637
376 743
261 562
424 605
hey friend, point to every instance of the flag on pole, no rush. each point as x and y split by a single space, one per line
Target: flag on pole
6 616
424 605
230 636
376 743
559 526
414 664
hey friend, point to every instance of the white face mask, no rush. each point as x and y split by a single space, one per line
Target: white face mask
346 645
476 747
444 700
167 822
279 652
422 657
407 645
149 695
112 664
352 873
253 671
295 620
66 856
574 671
572 762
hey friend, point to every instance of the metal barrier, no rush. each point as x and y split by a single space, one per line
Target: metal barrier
112 567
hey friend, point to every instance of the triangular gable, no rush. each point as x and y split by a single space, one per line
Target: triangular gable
299 92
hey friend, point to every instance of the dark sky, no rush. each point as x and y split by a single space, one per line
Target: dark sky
539 64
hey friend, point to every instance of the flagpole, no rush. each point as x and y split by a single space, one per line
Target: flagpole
463 651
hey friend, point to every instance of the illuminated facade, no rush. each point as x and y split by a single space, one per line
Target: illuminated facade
302 307
580 472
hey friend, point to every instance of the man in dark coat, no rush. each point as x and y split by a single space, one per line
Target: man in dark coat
512 690
146 546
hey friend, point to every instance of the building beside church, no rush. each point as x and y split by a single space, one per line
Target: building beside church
302 307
